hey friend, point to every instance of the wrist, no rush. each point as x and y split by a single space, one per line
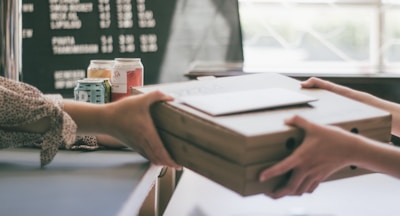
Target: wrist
105 119
89 118
364 152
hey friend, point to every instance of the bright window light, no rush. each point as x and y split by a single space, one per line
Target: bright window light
321 36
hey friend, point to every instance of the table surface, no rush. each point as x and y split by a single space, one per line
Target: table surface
366 195
75 183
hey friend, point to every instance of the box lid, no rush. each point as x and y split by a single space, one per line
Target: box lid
240 136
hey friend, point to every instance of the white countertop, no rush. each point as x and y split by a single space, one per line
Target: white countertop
366 195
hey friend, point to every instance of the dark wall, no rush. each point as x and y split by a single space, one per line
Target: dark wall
185 30
115 30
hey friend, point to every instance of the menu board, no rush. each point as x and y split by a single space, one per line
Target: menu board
60 37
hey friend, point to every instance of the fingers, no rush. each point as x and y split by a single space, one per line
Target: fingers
156 96
153 146
293 187
298 121
314 82
157 154
298 184
309 184
276 170
300 181
313 186
137 129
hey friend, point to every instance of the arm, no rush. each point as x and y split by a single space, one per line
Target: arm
127 121
40 126
28 117
325 150
363 97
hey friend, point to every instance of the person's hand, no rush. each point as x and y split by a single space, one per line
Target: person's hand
364 97
324 150
360 96
131 123
125 122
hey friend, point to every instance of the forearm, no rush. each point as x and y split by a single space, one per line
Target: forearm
363 97
89 118
389 106
40 126
378 157
92 119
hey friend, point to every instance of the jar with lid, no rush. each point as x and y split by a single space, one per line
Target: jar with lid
100 69
127 73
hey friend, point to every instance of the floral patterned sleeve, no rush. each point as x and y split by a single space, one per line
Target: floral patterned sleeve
22 104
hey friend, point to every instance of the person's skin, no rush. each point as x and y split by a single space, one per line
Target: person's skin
40 126
326 149
363 97
126 122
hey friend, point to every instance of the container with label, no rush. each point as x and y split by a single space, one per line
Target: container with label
100 69
93 91
127 73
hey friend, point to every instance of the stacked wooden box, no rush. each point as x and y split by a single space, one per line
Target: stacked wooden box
233 149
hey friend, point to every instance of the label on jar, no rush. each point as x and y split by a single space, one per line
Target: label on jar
122 80
125 76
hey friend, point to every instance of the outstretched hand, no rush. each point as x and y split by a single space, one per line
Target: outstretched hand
360 96
324 150
132 125
126 122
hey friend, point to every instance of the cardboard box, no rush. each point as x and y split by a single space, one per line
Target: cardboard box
233 149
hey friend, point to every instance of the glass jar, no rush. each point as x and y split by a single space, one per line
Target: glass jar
100 69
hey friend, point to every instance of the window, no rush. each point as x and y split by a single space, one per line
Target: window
321 36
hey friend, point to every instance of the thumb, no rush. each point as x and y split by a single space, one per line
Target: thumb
300 122
157 95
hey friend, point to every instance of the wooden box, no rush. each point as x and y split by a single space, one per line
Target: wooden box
233 149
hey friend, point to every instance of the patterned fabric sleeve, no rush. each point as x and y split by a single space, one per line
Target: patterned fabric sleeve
22 104
85 143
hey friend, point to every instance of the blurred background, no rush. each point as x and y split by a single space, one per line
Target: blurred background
331 36
60 37
355 39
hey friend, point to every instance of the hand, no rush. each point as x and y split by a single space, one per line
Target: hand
324 150
360 96
364 97
124 122
131 123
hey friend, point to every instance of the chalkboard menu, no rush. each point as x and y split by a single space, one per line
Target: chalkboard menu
60 37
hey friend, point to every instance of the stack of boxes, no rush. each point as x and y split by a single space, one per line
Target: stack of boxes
233 149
